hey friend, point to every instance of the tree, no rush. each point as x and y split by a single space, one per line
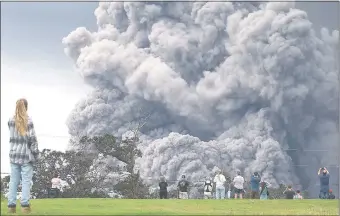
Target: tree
126 151
4 184
76 164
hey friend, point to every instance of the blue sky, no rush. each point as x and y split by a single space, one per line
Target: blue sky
34 65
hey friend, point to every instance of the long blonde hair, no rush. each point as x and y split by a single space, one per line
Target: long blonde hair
21 117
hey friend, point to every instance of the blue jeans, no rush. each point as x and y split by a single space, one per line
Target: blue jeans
25 172
323 195
220 192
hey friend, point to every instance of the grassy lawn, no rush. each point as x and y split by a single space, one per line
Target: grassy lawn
178 207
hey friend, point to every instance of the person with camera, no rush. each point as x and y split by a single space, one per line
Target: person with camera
255 185
324 182
289 192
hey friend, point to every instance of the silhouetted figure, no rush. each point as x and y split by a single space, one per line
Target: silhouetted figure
163 188
289 192
324 182
255 185
183 186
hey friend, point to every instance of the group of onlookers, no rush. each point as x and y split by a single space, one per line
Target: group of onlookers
24 152
259 189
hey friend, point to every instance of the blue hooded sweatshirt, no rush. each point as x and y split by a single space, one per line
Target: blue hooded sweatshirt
324 182
255 183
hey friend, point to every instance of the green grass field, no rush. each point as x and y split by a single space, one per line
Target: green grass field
178 207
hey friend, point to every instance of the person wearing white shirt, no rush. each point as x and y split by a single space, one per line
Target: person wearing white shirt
56 182
56 186
219 181
238 185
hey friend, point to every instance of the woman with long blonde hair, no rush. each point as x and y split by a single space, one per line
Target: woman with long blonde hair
23 153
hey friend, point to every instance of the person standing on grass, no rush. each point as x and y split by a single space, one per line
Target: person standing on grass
264 192
238 185
289 192
324 182
298 195
56 185
23 153
255 185
163 188
219 181
183 186
208 187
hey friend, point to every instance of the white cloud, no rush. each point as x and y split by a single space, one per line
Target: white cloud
51 96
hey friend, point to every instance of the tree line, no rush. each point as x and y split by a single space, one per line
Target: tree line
99 165
87 166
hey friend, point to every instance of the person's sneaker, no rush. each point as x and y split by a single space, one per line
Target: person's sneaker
26 210
12 210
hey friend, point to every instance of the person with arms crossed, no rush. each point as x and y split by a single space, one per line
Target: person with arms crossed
183 186
238 185
23 153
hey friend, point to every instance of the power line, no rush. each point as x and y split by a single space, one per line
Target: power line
307 150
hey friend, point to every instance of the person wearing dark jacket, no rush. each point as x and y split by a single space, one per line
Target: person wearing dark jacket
289 192
330 194
163 188
324 182
183 187
255 185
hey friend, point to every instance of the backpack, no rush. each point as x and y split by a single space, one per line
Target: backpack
207 186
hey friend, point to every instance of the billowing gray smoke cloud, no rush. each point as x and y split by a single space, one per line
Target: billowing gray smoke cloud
232 85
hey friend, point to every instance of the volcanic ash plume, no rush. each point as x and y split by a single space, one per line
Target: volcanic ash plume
232 85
